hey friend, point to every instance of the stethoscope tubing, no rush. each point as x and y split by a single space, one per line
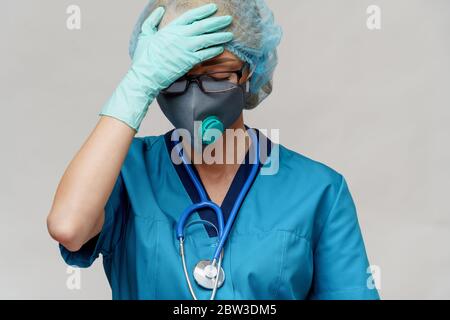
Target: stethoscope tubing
183 259
197 206
223 231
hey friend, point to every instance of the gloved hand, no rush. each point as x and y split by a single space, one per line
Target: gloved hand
163 56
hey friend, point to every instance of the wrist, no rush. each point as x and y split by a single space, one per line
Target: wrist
129 103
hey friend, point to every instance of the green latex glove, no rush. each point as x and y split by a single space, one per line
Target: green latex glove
163 56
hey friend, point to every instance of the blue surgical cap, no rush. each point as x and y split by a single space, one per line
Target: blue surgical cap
256 37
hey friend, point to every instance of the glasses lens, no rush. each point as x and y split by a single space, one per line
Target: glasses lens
214 84
176 87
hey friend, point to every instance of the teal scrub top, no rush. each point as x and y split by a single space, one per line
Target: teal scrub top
296 236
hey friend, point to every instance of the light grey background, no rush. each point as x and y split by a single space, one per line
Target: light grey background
374 105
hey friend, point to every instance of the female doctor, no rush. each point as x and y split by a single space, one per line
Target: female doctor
171 228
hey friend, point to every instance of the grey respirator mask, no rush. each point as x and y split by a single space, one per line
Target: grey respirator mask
201 103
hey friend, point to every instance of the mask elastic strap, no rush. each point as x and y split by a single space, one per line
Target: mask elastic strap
247 83
247 86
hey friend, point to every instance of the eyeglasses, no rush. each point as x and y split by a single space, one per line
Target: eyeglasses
213 82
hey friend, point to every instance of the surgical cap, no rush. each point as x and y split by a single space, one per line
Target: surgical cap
256 37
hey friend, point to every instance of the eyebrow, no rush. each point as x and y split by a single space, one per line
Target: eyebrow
217 61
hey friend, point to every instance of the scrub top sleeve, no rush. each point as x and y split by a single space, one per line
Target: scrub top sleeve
340 260
116 209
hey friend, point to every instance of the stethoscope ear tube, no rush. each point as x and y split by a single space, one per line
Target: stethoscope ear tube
186 275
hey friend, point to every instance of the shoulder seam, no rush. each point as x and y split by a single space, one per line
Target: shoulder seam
338 195
148 141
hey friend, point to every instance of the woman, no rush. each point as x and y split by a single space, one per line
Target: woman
296 235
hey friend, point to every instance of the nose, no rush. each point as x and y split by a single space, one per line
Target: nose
196 81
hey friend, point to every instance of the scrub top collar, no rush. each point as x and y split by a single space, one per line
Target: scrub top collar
235 187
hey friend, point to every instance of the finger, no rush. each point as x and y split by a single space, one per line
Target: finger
208 25
151 23
209 40
195 14
209 53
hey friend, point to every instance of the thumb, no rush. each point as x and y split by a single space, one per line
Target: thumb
150 25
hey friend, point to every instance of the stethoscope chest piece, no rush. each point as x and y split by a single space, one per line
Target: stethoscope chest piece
205 275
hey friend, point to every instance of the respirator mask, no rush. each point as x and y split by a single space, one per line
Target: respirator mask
204 104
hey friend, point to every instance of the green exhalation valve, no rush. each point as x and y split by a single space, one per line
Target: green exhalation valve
212 122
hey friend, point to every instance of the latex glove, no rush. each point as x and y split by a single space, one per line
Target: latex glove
164 56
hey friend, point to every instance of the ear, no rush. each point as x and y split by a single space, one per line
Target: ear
246 73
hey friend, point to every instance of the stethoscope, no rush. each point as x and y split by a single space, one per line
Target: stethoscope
210 274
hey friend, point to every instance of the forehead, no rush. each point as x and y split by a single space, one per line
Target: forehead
224 61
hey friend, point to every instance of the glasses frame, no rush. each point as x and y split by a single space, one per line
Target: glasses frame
196 78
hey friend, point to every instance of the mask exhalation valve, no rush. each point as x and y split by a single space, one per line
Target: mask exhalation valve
212 122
